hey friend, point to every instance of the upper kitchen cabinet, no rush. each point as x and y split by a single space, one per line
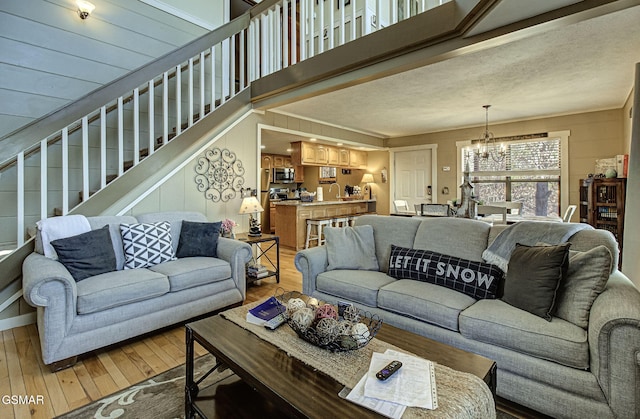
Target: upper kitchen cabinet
267 161
310 154
358 159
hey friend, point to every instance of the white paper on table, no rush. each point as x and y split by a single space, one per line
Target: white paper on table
388 409
414 384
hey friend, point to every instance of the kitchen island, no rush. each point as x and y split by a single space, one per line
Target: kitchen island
292 216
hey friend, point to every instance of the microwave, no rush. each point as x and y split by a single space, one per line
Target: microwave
285 175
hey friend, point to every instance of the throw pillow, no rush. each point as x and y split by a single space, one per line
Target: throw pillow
476 279
198 239
146 244
533 277
87 254
351 248
587 276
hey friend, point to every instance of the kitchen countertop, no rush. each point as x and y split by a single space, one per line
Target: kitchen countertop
316 203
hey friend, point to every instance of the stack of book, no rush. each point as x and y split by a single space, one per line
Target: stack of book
265 312
257 271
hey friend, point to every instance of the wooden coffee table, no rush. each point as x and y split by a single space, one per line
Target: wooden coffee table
285 385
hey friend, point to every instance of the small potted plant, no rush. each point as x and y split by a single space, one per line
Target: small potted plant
227 228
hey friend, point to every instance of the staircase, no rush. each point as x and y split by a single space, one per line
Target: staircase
146 122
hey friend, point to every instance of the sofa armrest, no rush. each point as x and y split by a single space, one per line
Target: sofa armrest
238 254
311 262
48 286
614 344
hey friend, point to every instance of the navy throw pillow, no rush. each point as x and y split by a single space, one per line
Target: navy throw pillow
476 279
87 254
198 239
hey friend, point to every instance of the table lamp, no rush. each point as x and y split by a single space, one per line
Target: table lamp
251 206
367 178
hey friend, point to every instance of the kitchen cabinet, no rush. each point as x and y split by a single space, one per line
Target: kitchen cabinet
343 157
272 217
357 159
298 174
266 161
334 156
278 161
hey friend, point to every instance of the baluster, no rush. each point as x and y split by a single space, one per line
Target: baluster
312 28
103 146
152 117
232 65
331 18
121 136
202 84
394 11
242 60
85 151
285 34
190 68
353 19
213 77
277 32
165 110
136 126
303 30
20 198
294 33
44 188
178 99
65 171
343 6
321 27
378 14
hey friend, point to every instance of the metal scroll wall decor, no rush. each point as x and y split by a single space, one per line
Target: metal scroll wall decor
219 174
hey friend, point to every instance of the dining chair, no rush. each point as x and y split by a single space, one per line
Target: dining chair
510 206
401 205
566 218
493 209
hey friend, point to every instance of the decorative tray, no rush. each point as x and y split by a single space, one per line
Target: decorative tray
337 328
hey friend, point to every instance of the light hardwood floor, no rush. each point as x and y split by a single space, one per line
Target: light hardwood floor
103 372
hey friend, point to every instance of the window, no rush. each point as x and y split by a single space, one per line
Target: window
531 173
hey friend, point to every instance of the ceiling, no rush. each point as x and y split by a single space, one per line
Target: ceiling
576 68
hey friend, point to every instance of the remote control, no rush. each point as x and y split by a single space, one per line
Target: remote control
389 370
275 322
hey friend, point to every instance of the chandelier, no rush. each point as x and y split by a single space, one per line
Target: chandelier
487 146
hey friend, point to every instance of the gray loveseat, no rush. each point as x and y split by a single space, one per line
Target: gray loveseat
555 367
77 317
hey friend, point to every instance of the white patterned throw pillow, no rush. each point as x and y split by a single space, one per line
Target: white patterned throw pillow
146 244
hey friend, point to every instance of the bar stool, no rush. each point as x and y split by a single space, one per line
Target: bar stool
340 221
319 224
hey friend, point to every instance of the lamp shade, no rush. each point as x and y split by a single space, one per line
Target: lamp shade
367 178
250 205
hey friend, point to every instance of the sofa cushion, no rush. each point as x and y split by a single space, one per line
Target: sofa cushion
117 288
198 239
449 232
388 230
113 221
476 279
87 254
423 301
194 271
534 276
358 286
351 248
146 244
586 278
498 323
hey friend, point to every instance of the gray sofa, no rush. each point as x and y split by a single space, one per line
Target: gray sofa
556 367
77 317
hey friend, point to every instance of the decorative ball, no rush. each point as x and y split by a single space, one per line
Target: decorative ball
303 318
610 173
326 311
326 329
313 302
350 313
344 328
294 305
347 342
360 332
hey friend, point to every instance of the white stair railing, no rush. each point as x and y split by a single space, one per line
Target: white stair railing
69 165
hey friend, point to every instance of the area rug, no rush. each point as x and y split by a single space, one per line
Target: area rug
161 397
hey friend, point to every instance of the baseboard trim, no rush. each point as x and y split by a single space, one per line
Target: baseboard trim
17 321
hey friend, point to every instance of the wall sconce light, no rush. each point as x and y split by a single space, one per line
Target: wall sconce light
84 8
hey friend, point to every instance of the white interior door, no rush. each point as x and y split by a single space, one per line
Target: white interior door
412 176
